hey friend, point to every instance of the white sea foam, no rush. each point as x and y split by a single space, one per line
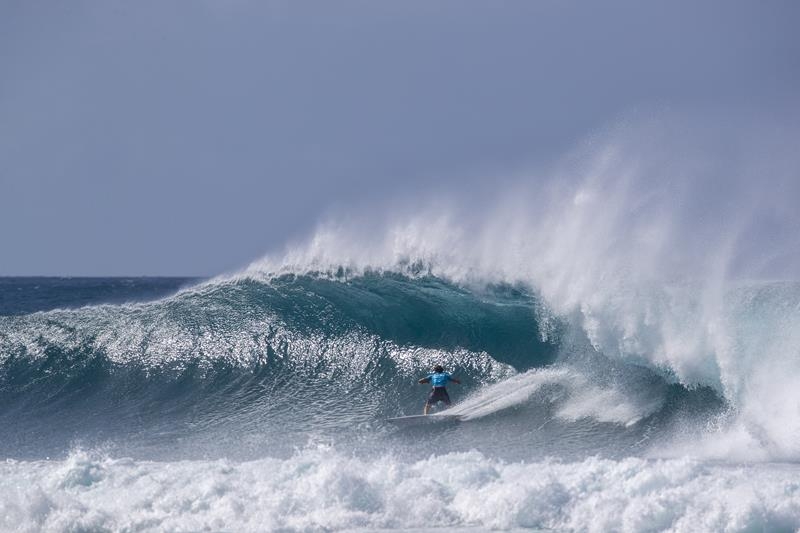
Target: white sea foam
321 489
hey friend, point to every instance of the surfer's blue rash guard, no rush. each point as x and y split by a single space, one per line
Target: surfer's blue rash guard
439 379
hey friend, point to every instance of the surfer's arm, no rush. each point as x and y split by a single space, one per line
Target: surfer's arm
454 380
424 380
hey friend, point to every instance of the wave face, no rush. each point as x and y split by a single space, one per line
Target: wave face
294 352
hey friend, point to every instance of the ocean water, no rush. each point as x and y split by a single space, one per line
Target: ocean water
626 330
259 403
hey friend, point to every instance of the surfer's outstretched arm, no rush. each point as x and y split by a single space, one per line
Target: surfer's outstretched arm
454 380
424 381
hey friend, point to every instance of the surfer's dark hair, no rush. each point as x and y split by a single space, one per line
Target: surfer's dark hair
438 368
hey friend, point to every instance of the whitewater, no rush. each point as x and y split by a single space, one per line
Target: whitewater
625 324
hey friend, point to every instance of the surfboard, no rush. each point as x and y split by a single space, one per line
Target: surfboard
414 420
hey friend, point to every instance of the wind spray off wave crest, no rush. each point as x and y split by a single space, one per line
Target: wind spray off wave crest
659 240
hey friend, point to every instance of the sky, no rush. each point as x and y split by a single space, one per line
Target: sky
190 138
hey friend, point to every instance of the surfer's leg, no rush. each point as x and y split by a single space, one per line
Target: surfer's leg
432 399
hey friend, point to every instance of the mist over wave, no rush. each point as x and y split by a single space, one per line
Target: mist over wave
669 242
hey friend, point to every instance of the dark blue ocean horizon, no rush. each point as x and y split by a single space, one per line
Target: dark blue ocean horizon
20 295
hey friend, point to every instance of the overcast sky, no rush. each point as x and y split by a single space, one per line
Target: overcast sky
188 138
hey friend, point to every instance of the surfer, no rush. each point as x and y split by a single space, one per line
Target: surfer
438 393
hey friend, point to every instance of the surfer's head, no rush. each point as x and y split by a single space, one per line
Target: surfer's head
438 368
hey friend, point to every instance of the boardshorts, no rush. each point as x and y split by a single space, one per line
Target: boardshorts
438 394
